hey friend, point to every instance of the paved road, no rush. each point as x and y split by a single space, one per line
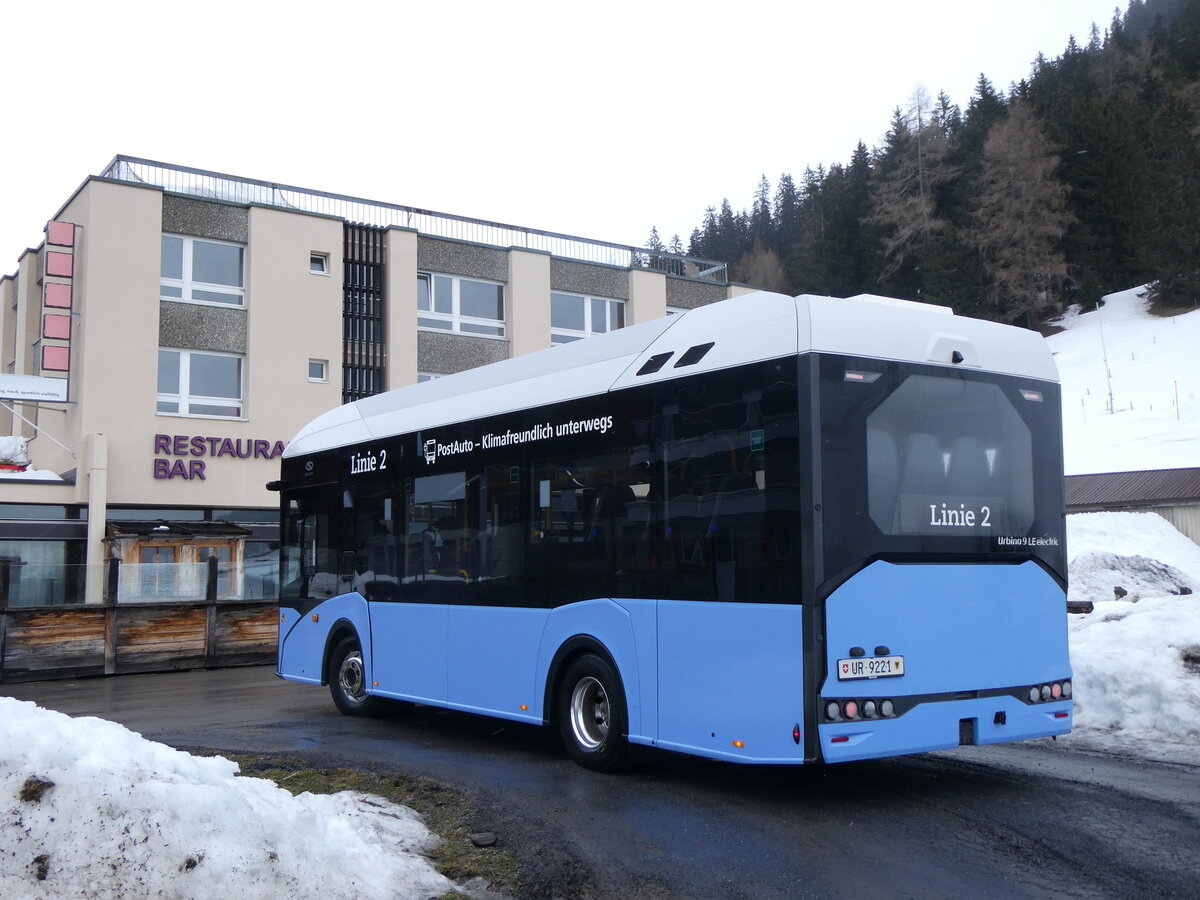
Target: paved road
1030 820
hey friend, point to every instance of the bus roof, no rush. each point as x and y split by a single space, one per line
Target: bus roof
748 328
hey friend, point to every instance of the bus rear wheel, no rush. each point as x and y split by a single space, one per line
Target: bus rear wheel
592 718
348 680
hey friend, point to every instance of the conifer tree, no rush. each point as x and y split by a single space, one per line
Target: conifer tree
1020 219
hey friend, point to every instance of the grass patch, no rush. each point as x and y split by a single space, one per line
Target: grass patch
447 811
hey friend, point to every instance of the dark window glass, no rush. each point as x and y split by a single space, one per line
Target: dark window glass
593 524
309 564
34 511
599 315
214 376
730 451
944 462
117 514
377 539
566 311
443 294
168 371
423 293
172 258
216 264
943 450
480 300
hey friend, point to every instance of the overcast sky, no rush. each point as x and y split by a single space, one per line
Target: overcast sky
598 120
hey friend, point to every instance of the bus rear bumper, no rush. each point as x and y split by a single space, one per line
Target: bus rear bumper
942 725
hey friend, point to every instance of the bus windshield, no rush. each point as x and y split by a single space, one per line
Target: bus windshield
942 462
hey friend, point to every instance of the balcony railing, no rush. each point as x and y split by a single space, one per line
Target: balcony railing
235 189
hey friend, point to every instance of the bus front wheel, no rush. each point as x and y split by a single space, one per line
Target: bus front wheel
348 680
591 715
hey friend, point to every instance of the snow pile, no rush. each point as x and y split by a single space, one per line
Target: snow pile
1136 659
14 450
93 810
1149 363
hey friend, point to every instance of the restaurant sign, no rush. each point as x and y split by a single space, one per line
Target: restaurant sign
185 455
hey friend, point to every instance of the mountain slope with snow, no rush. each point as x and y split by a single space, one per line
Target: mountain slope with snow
1130 386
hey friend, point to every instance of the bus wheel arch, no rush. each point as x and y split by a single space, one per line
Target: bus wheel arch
586 700
345 673
342 629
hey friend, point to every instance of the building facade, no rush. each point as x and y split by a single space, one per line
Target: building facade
178 326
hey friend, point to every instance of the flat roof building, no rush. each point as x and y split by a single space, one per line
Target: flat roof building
178 326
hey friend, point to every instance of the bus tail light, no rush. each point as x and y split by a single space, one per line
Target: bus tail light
1054 690
837 711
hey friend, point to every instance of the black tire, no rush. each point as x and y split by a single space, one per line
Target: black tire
592 717
347 680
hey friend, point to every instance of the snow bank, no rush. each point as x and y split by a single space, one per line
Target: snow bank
1137 659
126 817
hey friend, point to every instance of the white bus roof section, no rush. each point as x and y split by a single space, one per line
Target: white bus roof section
749 328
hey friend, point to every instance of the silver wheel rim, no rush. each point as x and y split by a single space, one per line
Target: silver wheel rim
350 676
589 713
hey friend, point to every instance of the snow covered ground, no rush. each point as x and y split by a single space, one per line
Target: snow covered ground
126 817
1149 366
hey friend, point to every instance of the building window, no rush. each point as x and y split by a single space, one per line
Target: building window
201 271
318 370
191 383
574 316
465 305
318 263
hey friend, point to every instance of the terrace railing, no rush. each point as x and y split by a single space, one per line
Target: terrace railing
235 189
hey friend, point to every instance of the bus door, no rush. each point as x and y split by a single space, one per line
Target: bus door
407 539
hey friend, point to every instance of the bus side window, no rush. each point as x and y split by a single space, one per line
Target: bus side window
376 567
309 562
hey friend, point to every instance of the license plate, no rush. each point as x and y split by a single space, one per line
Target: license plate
870 667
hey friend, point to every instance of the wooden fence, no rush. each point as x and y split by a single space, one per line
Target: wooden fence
49 642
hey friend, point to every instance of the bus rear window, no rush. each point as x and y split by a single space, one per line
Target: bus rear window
947 456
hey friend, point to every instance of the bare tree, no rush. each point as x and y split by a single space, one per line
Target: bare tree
910 167
762 268
1020 218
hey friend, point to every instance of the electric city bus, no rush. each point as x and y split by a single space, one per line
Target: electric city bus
768 530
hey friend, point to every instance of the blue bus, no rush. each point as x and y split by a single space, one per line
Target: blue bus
769 530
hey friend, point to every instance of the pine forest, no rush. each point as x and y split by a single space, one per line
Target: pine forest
1080 180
